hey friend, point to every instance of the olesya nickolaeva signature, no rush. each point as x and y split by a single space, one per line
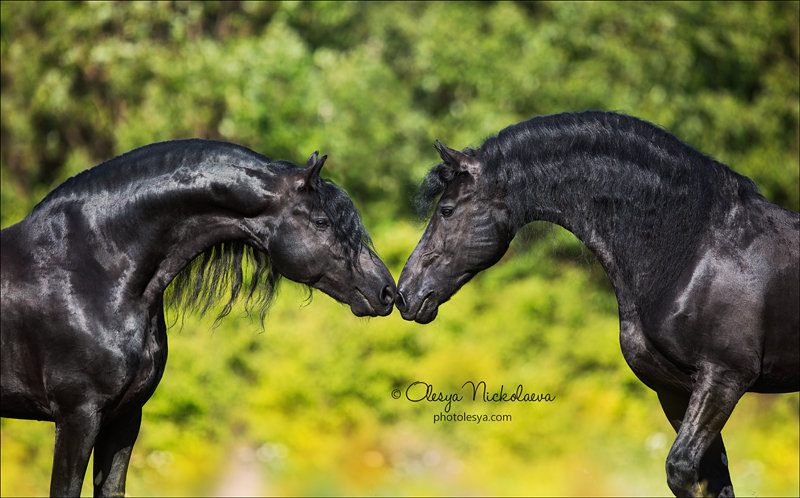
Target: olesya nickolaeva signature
423 391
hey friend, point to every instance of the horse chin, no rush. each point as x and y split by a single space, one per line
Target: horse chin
430 304
358 310
360 305
428 311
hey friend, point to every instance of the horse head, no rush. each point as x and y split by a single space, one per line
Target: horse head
469 231
317 239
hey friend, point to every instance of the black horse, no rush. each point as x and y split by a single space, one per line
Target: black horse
83 278
705 270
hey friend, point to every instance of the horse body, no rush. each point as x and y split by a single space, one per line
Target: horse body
734 305
69 320
704 269
83 277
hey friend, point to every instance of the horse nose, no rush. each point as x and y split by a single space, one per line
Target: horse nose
400 301
387 295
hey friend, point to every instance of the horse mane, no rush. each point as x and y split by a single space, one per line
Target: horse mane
514 159
646 159
651 194
204 282
217 274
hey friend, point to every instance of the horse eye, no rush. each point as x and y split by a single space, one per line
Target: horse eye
447 212
321 223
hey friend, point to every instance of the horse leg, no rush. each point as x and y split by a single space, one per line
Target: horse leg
713 471
715 394
112 452
75 436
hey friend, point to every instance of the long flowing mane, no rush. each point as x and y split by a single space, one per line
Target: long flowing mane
616 175
218 273
517 154
637 154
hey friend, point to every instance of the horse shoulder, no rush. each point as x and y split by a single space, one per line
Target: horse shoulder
22 386
146 359
730 303
65 341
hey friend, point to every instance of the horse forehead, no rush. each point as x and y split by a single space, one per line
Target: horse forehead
461 188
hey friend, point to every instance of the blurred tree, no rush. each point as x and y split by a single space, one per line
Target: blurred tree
374 84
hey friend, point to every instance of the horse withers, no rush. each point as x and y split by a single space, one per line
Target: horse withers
83 277
705 270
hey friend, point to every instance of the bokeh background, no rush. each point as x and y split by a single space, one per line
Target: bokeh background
305 407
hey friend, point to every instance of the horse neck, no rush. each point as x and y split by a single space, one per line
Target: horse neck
640 206
143 231
205 214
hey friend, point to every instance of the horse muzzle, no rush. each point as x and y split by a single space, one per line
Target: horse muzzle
379 305
418 307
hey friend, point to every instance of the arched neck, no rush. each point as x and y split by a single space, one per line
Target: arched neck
633 194
198 214
140 218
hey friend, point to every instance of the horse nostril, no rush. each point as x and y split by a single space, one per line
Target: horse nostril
387 295
399 301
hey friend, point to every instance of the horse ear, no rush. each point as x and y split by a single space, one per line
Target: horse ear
457 159
312 159
310 174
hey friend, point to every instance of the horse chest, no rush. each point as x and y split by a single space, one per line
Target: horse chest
646 361
149 363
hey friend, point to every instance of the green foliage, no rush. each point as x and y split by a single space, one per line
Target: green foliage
308 403
374 84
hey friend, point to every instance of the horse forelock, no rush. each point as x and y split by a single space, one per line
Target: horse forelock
434 184
344 218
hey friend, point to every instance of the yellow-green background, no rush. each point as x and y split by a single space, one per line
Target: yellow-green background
305 407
